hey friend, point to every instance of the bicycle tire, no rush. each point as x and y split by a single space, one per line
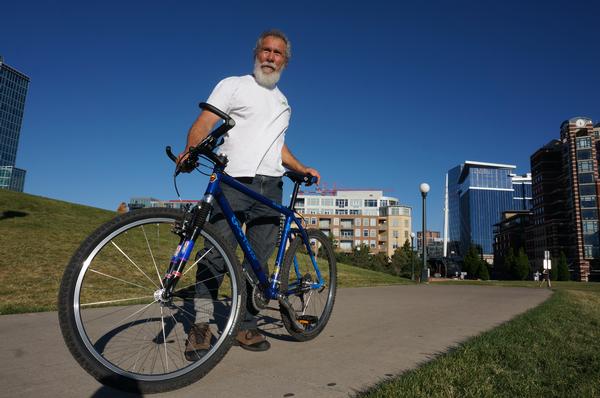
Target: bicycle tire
318 303
135 343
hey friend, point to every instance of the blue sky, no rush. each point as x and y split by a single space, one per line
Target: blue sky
383 96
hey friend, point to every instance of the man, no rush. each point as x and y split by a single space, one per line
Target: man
257 156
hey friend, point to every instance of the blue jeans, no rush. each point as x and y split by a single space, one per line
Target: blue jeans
262 226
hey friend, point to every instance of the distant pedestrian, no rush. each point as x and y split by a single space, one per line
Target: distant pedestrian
122 208
546 278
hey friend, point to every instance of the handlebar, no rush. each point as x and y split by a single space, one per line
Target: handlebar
208 144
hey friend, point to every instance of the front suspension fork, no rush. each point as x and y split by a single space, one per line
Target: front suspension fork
188 229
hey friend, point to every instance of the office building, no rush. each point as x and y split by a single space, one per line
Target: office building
566 208
434 247
478 193
13 90
357 217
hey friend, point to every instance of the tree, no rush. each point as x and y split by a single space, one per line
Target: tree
483 273
563 268
554 271
472 262
403 260
521 269
509 263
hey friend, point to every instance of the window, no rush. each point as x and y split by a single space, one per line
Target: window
355 202
584 142
584 154
384 203
396 234
589 214
336 221
586 178
326 202
588 201
354 211
365 233
586 190
373 233
585 166
590 227
313 221
395 223
373 222
357 222
312 201
357 232
336 232
370 202
341 211
341 203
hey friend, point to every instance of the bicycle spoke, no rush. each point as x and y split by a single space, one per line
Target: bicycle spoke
131 261
117 301
153 260
196 262
202 281
162 324
119 279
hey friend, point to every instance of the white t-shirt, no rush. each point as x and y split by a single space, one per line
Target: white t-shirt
261 118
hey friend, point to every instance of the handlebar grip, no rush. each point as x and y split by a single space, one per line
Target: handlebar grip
208 107
170 154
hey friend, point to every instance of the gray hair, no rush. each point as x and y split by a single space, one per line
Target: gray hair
275 33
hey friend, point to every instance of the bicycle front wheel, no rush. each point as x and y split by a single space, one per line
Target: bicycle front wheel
115 321
309 286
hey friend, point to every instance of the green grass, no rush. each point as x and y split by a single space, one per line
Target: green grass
39 235
552 350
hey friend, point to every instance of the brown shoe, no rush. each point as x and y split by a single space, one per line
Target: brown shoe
198 341
252 340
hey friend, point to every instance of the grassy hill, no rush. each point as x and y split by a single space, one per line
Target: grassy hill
39 235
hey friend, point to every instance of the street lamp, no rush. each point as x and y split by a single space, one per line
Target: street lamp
412 256
424 274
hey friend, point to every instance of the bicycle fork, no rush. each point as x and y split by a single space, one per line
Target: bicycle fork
189 231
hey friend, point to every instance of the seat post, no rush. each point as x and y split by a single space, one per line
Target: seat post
294 195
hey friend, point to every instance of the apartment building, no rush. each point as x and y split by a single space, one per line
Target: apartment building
357 217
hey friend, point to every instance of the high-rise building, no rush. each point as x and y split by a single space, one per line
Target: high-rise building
357 217
566 209
551 229
478 194
13 90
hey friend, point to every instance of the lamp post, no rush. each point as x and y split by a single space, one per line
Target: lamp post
424 274
412 256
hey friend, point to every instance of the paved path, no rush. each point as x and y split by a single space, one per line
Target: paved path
373 334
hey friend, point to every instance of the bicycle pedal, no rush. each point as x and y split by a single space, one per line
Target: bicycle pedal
307 320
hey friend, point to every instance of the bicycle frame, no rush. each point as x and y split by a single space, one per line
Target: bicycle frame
270 289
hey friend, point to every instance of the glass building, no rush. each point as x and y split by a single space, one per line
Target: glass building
478 194
13 90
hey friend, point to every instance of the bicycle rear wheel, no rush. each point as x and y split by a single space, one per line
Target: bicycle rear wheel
113 319
311 297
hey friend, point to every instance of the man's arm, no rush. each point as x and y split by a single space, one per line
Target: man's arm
199 131
290 162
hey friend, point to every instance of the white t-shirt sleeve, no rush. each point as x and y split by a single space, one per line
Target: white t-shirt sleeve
222 95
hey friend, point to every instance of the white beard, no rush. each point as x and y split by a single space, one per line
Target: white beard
268 80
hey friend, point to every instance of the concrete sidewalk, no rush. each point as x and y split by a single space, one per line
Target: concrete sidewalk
374 333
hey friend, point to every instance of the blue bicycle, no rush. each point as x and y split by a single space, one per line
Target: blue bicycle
129 294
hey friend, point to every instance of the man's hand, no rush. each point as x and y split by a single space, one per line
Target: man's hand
314 173
183 164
